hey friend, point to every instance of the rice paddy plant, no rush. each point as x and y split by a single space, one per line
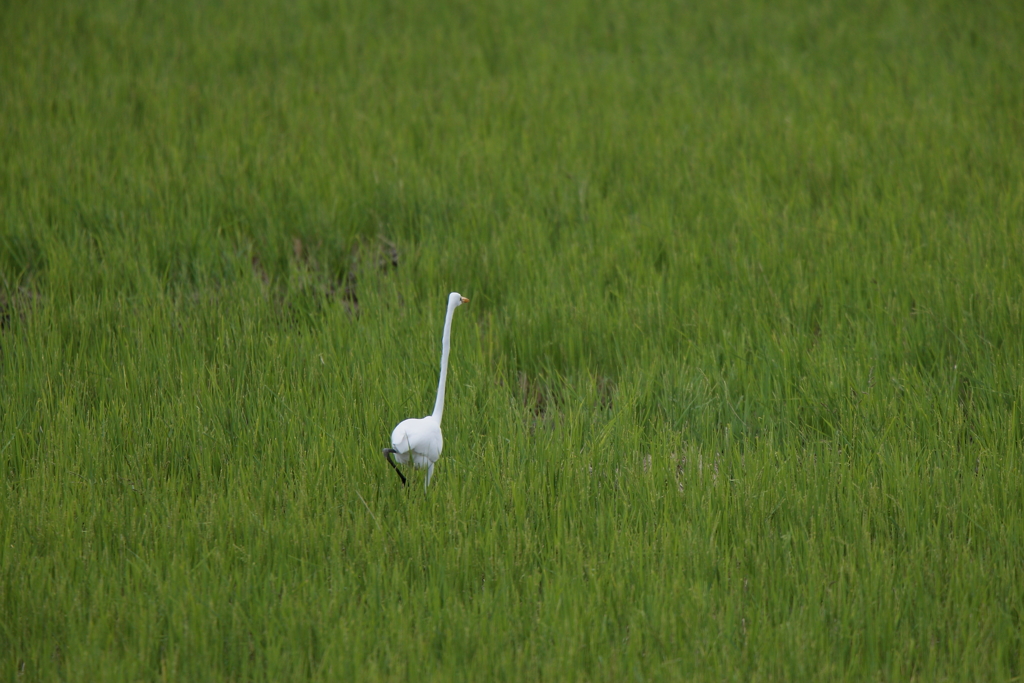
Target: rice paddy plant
738 394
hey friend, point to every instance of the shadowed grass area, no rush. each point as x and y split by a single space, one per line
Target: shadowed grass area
738 396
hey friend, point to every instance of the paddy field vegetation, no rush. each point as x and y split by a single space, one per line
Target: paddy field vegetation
738 395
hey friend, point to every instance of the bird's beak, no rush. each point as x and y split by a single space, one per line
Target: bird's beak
465 300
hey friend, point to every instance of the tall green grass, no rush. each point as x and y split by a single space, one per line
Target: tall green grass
738 396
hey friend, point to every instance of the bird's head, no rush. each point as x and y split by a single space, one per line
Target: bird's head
456 299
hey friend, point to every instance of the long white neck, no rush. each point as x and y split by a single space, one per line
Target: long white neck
446 342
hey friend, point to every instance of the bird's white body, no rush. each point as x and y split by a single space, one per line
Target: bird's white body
419 439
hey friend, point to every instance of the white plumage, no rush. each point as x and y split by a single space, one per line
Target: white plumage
419 439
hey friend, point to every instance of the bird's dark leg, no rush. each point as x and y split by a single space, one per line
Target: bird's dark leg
387 454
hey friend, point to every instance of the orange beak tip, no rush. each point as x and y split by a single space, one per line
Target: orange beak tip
465 300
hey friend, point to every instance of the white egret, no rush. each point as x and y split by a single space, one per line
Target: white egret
419 439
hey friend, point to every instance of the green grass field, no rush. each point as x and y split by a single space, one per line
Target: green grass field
739 394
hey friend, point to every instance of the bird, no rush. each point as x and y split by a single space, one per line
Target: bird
419 439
